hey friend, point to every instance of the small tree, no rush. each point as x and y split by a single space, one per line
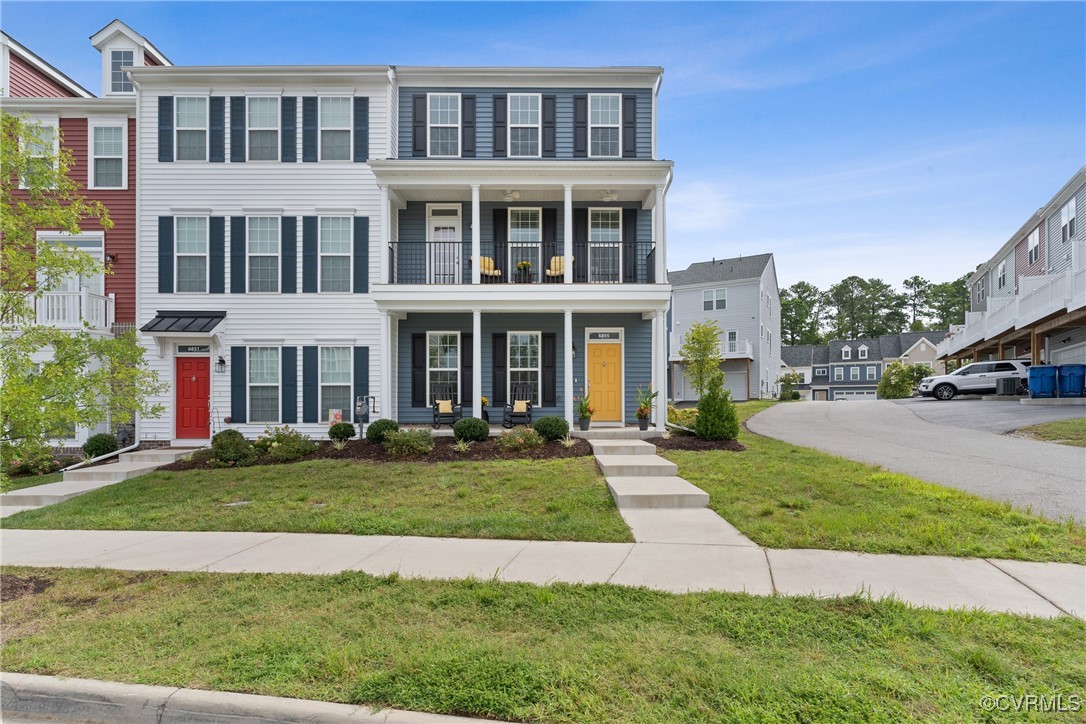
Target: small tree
717 417
787 381
700 352
898 380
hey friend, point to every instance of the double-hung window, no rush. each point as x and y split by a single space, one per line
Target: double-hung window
42 147
444 131
191 129
846 353
1033 243
107 156
119 81
871 372
604 124
524 122
854 373
263 384
262 246
263 129
190 242
335 254
838 374
714 299
605 245
335 125
862 353
1002 282
525 234
524 363
442 361
335 382
1067 220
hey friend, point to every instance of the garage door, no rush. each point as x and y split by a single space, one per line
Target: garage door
854 395
1070 356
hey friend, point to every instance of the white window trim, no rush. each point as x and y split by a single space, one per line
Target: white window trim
1033 246
854 374
350 131
278 128
206 129
348 414
609 209
728 342
821 372
430 217
846 353
861 353
524 244
93 123
838 374
459 125
278 256
459 356
707 296
1068 214
509 127
321 254
207 255
137 61
592 125
538 368
872 373
249 385
51 122
1001 280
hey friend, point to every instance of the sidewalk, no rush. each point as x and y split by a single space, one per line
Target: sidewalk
1036 589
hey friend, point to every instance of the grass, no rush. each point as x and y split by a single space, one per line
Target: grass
520 652
783 496
29 481
1065 432
540 500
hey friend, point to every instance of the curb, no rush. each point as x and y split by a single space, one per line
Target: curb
53 698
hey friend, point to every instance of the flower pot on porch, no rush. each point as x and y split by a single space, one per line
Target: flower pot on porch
486 415
523 277
643 423
585 422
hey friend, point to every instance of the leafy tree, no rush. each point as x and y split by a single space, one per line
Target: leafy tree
882 309
898 379
949 302
787 381
700 352
801 314
917 293
54 380
846 300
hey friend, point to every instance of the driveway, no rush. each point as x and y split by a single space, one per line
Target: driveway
912 438
988 415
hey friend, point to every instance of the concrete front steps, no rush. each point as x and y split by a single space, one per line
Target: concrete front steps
614 433
665 491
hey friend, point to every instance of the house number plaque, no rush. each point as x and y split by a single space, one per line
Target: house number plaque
194 348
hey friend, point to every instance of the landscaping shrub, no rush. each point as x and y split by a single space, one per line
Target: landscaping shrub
717 417
787 395
230 448
521 438
404 443
471 429
551 427
283 444
341 431
684 417
30 459
379 428
100 444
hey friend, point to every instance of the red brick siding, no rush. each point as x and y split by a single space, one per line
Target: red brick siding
26 81
1022 267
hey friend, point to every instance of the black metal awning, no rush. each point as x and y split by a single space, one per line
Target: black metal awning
169 322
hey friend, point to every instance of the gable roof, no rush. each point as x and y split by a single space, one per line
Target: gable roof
721 270
44 67
116 27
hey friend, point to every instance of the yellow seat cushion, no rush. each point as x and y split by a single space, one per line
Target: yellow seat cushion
486 264
520 405
444 407
557 266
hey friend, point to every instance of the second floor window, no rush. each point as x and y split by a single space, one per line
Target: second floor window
263 251
190 241
1067 220
1034 245
604 119
118 79
871 372
1002 274
820 371
838 374
854 373
263 129
108 158
41 148
191 129
335 253
444 116
524 124
335 129
714 299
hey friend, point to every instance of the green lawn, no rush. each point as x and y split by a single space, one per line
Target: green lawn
783 496
1065 432
520 652
29 481
539 500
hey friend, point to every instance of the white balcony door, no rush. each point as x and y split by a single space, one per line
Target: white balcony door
732 345
444 243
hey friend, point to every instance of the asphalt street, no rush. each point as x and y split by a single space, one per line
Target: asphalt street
973 413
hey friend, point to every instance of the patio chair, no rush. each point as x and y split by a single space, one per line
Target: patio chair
487 272
556 270
446 404
518 411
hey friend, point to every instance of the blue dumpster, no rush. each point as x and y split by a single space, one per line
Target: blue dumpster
1042 381
1072 379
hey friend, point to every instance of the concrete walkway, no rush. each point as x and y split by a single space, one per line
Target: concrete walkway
1037 589
1046 478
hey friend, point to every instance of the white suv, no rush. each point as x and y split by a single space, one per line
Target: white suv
978 378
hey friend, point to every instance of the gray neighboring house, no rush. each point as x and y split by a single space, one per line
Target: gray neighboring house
741 295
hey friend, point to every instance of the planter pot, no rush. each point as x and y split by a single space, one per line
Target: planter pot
524 277
643 423
486 415
585 422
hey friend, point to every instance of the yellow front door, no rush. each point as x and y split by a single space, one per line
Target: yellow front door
605 381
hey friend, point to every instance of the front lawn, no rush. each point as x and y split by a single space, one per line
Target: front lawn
1065 432
528 653
28 481
538 500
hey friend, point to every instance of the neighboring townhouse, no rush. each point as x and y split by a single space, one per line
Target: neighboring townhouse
1028 301
801 359
100 133
741 295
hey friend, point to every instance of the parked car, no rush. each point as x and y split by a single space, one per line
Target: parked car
978 378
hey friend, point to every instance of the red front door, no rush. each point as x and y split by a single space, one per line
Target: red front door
193 396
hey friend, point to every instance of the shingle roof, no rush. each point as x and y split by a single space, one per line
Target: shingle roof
800 355
884 347
183 322
720 270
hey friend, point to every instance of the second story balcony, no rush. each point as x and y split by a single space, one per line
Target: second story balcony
75 310
731 347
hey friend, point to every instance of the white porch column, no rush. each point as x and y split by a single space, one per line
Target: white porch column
384 400
386 236
567 376
567 236
476 353
475 245
659 225
659 366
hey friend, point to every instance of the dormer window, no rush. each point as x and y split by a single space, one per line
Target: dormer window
846 353
119 80
863 352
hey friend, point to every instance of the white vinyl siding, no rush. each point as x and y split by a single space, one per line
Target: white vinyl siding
335 381
107 156
191 129
524 363
335 124
335 253
190 248
525 118
443 132
263 129
604 125
262 247
264 384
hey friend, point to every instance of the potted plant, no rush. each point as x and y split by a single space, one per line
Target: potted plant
585 412
524 271
486 403
645 400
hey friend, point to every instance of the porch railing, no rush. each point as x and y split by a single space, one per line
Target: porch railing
71 309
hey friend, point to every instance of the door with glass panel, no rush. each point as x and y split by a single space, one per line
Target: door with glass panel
731 346
605 246
525 235
444 246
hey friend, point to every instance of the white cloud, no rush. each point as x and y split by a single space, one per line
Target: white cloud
702 206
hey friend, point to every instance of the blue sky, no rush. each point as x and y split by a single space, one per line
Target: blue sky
878 139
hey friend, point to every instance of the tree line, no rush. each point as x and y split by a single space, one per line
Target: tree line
856 308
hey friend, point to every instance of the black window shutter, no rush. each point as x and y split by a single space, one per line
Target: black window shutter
361 129
309 129
309 254
550 369
216 129
629 246
580 245
216 262
310 384
165 254
467 126
165 128
288 129
467 395
290 385
418 370
498 381
289 282
550 234
500 105
580 126
550 121
629 126
239 370
361 378
237 254
501 231
237 129
418 125
361 255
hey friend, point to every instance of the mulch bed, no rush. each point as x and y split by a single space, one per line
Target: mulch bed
689 442
13 587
